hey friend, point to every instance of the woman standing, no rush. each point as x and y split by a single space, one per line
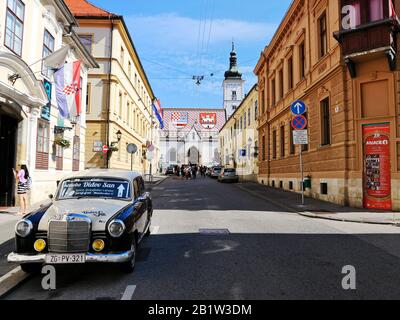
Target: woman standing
22 176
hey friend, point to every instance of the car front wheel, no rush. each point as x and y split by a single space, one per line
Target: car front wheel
129 266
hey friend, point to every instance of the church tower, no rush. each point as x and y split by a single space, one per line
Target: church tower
233 86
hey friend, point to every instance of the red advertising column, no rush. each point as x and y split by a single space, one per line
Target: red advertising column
377 168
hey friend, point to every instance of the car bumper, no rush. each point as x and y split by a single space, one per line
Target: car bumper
232 178
90 258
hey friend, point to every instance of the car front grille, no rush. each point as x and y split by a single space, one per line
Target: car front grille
69 236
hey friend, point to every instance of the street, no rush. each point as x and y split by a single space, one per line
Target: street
257 251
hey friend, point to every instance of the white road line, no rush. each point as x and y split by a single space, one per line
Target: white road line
128 294
155 230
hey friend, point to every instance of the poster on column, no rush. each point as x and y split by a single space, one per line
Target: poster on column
377 168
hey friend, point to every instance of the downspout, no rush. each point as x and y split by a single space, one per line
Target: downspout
108 134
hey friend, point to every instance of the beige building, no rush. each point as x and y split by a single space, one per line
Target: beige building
29 119
239 138
119 110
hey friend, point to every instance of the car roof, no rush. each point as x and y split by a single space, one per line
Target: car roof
105 173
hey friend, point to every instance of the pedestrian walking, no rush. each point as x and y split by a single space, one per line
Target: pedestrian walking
23 185
194 172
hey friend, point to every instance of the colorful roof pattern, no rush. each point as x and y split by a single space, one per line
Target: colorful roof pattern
83 8
203 120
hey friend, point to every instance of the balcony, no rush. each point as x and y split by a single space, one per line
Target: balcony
367 34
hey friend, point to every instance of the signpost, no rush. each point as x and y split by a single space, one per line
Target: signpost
132 149
300 135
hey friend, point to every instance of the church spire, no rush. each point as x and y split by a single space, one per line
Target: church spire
233 72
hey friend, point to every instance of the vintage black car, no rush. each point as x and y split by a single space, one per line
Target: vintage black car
96 216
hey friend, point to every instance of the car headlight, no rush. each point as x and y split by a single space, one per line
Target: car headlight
116 228
24 228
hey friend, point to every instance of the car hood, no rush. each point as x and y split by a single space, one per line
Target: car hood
99 211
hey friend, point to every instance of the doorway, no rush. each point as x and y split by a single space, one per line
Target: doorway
8 143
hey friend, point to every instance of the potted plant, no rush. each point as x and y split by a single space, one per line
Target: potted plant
62 142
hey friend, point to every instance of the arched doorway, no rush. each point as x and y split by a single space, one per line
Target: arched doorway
172 156
194 155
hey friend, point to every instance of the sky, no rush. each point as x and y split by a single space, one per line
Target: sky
179 39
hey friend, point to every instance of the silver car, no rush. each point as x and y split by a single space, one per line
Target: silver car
228 175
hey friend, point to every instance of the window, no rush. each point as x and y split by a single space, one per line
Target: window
42 145
14 26
120 105
88 95
292 146
87 41
256 108
302 60
274 144
234 95
128 114
48 48
245 121
76 153
262 103
323 36
325 123
59 154
264 157
281 86
129 69
282 144
290 73
122 56
273 92
249 117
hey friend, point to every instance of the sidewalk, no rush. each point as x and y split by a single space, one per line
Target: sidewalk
291 201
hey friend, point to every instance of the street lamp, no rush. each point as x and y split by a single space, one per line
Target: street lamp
119 135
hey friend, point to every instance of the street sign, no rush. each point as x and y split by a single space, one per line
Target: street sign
97 146
299 123
132 148
105 149
300 137
150 155
298 108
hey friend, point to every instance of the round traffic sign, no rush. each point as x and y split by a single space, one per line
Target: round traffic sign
298 108
132 148
105 149
299 123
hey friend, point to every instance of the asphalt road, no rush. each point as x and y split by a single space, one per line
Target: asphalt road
268 254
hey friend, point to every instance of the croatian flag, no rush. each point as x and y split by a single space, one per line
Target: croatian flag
68 89
158 112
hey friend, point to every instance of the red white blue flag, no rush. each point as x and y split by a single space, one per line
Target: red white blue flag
158 112
68 89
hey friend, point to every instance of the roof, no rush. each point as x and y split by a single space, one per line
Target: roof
105 173
83 8
194 120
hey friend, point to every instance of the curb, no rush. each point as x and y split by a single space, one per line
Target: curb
313 215
12 279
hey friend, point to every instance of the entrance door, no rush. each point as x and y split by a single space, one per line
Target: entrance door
8 142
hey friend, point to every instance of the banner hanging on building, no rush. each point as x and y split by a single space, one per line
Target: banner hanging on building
377 168
68 89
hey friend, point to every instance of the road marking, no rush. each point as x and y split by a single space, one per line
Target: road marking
155 230
11 280
128 294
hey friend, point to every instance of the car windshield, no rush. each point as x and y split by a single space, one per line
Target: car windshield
103 188
230 170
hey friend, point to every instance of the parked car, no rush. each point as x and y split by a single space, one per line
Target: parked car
170 171
228 175
215 172
96 216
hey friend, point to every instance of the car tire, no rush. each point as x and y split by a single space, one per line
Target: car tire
129 266
31 267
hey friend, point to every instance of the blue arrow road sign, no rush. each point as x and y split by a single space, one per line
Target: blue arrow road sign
298 108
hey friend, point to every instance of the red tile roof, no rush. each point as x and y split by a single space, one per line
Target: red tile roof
83 8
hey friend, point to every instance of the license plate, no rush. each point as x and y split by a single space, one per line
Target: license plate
65 258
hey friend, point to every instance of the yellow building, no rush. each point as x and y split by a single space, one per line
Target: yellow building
239 138
119 109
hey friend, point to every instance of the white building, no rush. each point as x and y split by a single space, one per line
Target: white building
233 86
29 31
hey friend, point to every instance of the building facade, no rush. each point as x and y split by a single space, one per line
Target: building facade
233 85
30 123
190 136
239 138
339 57
119 110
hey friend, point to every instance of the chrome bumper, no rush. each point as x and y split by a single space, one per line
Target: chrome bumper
90 258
